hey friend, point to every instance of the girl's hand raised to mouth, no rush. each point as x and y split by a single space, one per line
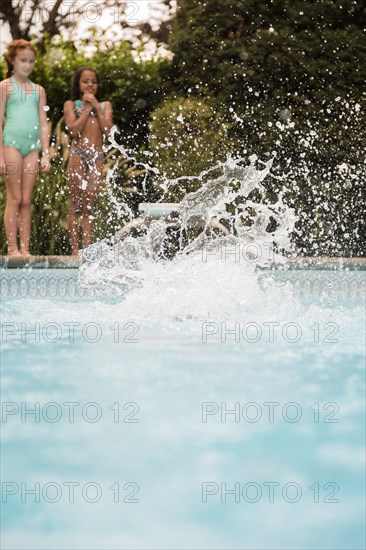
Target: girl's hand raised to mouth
90 98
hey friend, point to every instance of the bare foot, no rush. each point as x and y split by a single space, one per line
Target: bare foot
24 251
14 253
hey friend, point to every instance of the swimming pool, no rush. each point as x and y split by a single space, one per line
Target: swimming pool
207 408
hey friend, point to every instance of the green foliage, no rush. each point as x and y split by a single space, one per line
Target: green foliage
49 214
284 77
50 199
260 57
130 82
289 76
187 136
278 47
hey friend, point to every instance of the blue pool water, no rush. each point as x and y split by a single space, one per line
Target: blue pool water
193 412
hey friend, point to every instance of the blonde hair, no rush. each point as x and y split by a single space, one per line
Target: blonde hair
12 51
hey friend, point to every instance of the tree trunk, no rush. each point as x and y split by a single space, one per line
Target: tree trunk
12 16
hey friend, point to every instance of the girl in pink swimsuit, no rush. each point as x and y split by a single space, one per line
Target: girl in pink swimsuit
88 121
26 131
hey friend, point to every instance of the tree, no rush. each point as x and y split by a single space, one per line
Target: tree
133 85
289 75
297 47
42 18
187 136
159 30
272 62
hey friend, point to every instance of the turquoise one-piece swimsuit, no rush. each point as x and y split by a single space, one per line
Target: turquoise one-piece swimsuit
22 120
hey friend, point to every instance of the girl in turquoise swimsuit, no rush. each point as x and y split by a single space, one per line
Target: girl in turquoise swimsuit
26 131
88 121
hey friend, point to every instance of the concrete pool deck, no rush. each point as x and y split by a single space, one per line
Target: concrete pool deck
41 262
74 262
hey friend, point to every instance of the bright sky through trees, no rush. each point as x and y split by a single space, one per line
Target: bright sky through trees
128 14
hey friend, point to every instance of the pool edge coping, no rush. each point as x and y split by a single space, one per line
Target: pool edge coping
73 262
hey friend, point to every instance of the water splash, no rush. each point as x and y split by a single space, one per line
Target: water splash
228 220
321 163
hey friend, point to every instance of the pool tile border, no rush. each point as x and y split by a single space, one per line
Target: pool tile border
73 262
40 262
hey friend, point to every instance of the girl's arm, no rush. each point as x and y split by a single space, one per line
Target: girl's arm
4 93
105 118
74 124
45 133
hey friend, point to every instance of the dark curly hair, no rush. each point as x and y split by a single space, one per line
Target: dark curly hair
75 82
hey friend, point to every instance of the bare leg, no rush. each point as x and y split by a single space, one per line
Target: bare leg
13 181
29 174
89 197
76 173
73 229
